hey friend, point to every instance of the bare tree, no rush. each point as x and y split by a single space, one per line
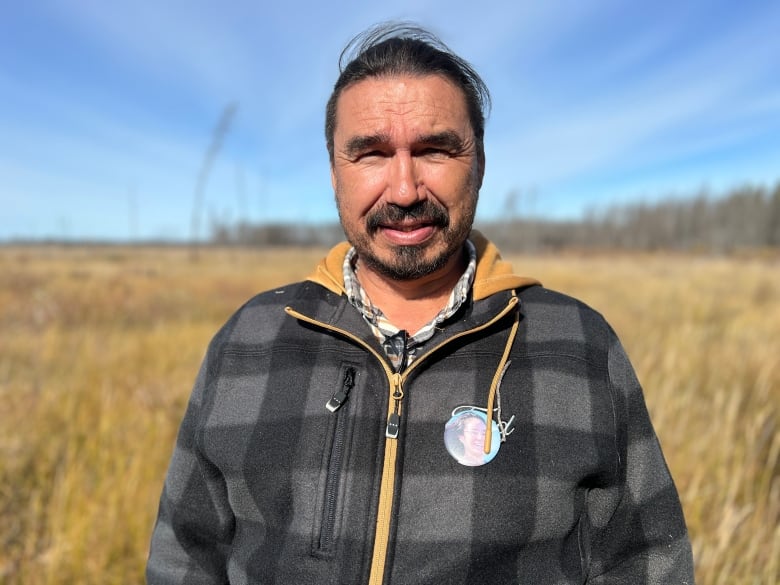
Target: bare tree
217 137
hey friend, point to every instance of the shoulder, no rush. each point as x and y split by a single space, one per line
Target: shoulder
546 303
261 318
553 322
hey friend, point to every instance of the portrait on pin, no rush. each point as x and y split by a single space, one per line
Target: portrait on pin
464 437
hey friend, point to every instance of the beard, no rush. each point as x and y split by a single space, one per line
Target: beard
412 262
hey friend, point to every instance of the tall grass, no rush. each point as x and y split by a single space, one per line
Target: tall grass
99 348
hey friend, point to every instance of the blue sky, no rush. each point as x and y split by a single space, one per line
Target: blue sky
107 108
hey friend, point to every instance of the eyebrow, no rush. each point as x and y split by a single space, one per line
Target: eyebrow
358 144
446 139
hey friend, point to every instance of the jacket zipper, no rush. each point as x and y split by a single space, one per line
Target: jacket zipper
396 380
330 499
394 420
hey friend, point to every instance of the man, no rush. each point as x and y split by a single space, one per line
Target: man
313 447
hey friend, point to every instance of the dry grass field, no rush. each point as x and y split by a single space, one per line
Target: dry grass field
99 348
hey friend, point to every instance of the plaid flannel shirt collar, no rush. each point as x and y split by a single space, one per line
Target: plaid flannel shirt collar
383 329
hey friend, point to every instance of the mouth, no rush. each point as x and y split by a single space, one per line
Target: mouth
408 226
408 233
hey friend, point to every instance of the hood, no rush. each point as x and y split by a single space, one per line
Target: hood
493 274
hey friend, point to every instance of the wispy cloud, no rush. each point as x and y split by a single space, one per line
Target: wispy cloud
709 97
591 99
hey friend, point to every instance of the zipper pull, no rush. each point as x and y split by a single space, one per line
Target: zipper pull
394 421
392 426
341 395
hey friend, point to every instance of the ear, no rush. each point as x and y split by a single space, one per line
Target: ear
333 177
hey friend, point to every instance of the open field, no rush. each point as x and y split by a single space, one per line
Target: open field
99 348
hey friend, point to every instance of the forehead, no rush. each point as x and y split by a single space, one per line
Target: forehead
473 422
424 103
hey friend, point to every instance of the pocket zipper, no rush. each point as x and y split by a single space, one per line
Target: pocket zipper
334 472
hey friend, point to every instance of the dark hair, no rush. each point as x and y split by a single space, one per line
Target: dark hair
455 429
390 49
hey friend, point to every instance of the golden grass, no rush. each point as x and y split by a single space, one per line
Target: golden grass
99 347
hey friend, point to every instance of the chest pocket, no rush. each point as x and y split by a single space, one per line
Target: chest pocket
333 470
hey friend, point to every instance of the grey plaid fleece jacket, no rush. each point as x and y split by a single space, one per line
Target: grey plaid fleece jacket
268 485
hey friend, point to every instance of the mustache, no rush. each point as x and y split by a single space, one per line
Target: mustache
426 211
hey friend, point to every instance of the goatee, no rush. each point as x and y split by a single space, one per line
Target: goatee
413 261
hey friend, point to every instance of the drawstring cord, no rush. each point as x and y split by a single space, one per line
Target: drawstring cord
503 365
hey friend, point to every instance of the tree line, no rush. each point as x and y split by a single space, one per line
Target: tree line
746 217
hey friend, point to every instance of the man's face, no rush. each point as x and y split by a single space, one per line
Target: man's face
406 173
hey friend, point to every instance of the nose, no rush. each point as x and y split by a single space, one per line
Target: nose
403 182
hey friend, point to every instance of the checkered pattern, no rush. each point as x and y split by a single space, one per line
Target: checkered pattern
266 486
399 346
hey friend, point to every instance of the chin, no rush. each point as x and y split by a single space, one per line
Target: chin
408 262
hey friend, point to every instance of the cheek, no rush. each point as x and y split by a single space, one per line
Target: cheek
447 182
357 192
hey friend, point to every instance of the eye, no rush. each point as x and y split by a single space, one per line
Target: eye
433 152
370 154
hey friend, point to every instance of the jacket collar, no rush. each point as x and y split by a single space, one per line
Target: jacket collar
493 273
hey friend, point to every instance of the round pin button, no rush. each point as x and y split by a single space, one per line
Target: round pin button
464 437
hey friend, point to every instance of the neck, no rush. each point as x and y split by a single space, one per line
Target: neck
411 304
